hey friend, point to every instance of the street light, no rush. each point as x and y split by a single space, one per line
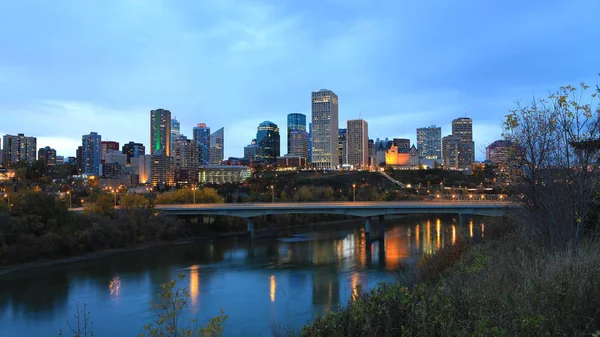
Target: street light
194 194
115 194
69 193
8 200
354 192
272 194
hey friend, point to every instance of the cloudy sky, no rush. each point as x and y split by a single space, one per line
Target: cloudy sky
70 67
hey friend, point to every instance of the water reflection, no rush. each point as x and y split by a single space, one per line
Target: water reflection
308 274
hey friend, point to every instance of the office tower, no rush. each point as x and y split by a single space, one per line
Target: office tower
79 159
251 150
451 148
91 149
371 153
133 150
295 122
185 153
115 157
162 170
429 142
60 160
142 166
498 152
325 151
19 148
48 155
175 132
267 139
357 140
310 142
108 145
463 127
342 147
298 145
202 138
217 151
160 131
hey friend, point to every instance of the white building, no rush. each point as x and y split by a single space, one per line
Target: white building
325 152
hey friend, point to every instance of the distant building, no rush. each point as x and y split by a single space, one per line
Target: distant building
298 143
296 122
142 166
160 131
379 153
185 153
91 150
162 170
115 157
175 132
396 156
463 128
429 142
310 142
251 150
223 174
186 176
291 161
202 138
48 155
79 159
267 139
108 145
342 147
60 160
133 150
402 144
324 133
499 151
217 150
18 148
372 153
451 147
357 139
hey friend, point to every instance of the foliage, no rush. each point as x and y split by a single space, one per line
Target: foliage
132 201
168 308
104 205
555 164
206 195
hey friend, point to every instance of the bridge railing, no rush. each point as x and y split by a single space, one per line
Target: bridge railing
468 197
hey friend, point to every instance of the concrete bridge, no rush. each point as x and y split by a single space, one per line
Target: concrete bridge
366 210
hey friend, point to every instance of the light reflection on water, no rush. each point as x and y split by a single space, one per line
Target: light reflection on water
303 275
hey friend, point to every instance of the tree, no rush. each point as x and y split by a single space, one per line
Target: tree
131 201
554 163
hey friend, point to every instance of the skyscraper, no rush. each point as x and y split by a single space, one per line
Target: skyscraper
451 148
175 132
217 151
298 145
186 153
48 155
19 148
91 154
160 131
133 150
202 138
429 142
342 146
108 145
325 151
463 127
267 138
295 122
357 140
251 150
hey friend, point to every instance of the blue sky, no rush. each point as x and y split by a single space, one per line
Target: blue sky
71 67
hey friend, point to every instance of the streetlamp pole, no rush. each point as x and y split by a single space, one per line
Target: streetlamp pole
115 195
8 200
69 193
353 192
272 194
194 193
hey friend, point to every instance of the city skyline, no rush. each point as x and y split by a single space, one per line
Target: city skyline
390 64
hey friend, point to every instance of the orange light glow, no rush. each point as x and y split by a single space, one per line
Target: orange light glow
438 227
355 285
417 236
471 228
194 284
272 288
115 287
453 234
482 230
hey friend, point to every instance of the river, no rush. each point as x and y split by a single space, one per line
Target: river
287 280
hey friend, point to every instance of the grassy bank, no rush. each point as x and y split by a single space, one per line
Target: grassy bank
507 286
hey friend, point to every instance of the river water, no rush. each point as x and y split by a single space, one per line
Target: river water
287 280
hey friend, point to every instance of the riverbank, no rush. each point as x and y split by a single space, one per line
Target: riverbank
508 286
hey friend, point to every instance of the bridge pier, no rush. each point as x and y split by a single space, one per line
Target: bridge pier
368 230
250 227
270 224
463 219
381 234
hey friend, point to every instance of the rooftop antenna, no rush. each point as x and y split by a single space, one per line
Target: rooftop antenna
466 112
359 113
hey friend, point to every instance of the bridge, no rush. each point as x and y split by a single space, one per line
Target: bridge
365 210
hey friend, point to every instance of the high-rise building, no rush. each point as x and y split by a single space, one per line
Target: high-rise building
142 166
202 138
19 148
79 159
295 122
162 170
217 150
160 131
310 142
48 155
108 145
185 151
463 127
357 139
251 150
115 157
91 154
133 150
499 151
429 142
175 132
298 145
325 151
268 141
451 148
342 147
